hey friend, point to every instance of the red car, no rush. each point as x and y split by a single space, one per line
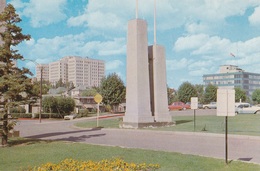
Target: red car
178 106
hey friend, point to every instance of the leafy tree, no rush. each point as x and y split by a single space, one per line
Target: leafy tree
112 90
240 94
37 86
210 94
172 96
61 105
256 96
65 105
90 92
60 84
15 86
186 91
200 91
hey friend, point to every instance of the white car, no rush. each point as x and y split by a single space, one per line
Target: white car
246 108
211 105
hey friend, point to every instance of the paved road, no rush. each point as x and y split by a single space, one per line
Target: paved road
245 148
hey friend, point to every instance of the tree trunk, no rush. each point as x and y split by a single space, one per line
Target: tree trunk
5 129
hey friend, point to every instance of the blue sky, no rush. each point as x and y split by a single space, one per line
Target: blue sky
198 35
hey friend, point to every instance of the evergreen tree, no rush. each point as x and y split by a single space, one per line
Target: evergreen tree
15 86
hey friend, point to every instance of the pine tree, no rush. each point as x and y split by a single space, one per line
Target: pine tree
15 86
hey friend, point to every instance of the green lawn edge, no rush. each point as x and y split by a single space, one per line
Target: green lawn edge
26 153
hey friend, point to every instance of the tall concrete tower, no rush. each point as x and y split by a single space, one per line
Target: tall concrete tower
158 80
158 83
138 107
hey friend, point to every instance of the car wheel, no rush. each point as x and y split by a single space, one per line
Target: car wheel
206 107
257 112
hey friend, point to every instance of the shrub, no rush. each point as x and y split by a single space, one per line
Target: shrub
83 112
21 115
115 164
17 109
108 108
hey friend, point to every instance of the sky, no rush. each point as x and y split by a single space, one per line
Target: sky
198 35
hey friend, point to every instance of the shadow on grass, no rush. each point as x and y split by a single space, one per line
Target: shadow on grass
26 141
178 122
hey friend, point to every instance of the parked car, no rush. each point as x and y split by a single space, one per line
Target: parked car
211 105
200 106
246 108
178 106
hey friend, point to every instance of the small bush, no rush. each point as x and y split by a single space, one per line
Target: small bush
115 164
21 115
83 112
108 108
17 109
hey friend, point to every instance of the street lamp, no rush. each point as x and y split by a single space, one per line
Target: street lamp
41 69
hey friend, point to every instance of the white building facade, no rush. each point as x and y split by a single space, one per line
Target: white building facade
73 69
232 76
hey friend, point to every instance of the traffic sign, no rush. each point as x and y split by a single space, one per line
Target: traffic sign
98 98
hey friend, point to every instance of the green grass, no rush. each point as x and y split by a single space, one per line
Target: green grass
25 153
244 124
106 123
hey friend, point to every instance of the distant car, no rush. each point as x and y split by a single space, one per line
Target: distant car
211 105
178 106
200 106
70 117
246 108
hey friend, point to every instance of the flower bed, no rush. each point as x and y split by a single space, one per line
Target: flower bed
115 164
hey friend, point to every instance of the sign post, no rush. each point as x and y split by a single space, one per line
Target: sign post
226 107
194 106
98 98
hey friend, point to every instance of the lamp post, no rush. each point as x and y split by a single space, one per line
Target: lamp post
41 70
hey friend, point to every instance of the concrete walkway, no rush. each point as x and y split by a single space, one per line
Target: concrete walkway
245 148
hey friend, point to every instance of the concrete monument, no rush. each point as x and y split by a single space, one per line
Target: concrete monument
146 92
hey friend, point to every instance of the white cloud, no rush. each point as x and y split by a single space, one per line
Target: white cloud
43 13
54 48
254 19
190 42
113 65
177 64
17 4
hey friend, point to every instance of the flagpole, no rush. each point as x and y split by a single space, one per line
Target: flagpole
136 9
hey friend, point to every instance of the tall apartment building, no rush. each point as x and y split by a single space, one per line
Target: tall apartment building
58 70
85 71
232 76
45 72
80 71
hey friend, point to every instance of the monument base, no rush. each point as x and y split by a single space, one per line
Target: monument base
163 117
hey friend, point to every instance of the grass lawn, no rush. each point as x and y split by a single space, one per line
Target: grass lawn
25 152
243 124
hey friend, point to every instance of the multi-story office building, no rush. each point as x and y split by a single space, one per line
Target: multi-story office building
80 71
45 72
232 76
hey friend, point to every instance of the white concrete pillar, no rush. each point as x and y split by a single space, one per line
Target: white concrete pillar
138 107
159 84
